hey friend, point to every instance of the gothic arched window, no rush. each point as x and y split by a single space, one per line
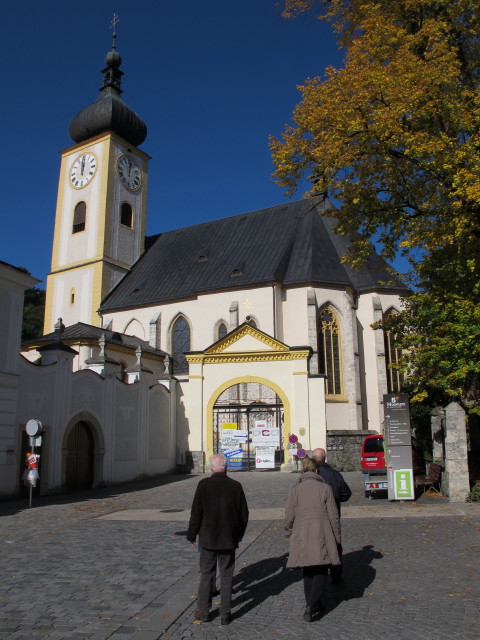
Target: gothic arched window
395 378
180 340
79 217
221 330
329 358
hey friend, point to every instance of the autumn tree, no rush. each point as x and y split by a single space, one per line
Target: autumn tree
394 137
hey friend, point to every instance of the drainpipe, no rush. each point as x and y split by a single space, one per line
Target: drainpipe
274 311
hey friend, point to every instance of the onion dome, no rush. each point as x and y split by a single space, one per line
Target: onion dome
109 112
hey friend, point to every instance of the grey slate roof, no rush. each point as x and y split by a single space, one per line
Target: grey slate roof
88 333
290 244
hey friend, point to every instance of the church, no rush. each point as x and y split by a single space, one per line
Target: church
245 334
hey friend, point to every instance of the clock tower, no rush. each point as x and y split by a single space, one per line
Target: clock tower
100 218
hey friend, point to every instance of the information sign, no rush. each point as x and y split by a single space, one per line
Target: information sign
264 436
404 485
397 419
265 457
231 438
234 459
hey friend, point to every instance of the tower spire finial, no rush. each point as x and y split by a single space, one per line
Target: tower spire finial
113 25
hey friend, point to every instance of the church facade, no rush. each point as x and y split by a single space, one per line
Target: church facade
251 321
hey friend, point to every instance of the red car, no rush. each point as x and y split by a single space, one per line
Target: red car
373 457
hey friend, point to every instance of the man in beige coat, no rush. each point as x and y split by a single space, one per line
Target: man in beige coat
312 523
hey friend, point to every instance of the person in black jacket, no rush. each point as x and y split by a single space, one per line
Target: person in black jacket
219 517
341 493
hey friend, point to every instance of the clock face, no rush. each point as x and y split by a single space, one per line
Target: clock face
83 170
129 173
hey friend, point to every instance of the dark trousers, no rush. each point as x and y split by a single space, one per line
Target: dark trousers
314 578
336 571
209 560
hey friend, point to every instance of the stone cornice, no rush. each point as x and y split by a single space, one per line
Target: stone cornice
246 356
242 331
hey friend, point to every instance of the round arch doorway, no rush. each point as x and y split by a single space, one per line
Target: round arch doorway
249 416
80 457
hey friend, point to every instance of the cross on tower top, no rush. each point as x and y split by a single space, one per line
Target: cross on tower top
113 25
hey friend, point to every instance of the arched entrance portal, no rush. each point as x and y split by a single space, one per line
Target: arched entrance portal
80 457
248 417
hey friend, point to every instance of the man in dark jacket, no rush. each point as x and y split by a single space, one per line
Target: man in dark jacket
219 517
341 493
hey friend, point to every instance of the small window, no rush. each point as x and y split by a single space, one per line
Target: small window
126 215
222 330
79 217
72 296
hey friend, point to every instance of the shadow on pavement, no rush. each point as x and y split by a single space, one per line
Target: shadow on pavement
261 580
358 576
270 577
10 507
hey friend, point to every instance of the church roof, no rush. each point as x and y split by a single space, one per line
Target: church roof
290 244
89 334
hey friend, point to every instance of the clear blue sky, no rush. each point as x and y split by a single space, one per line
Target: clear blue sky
212 80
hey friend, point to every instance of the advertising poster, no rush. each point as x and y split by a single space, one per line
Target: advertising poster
232 438
265 457
262 436
234 459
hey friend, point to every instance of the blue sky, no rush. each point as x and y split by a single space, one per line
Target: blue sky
212 80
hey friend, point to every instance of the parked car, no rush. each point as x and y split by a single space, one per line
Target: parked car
373 456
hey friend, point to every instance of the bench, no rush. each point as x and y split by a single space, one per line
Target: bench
431 480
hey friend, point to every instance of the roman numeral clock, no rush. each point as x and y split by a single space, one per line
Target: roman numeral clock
83 170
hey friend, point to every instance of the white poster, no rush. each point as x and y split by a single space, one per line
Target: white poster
262 436
232 438
265 457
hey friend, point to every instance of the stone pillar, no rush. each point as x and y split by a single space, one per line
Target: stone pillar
455 481
438 434
154 334
233 311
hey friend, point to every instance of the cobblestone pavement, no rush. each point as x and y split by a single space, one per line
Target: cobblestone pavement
67 571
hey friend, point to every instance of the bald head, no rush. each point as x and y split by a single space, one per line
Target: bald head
218 462
319 455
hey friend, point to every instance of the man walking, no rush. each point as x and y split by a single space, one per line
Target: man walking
341 493
219 517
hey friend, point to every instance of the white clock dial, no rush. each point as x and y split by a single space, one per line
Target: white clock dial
129 173
83 170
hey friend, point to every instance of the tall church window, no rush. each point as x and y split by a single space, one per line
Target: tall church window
79 217
395 378
126 215
329 351
180 340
